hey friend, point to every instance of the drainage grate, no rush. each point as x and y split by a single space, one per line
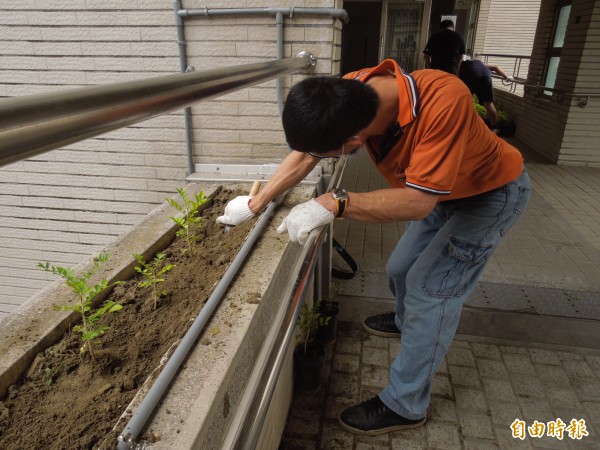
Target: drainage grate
537 300
372 282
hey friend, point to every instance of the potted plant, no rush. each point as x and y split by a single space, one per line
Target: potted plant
329 308
506 123
309 354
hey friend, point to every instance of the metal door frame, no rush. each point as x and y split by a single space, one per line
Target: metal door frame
424 26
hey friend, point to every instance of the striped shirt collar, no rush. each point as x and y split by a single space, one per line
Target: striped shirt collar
407 88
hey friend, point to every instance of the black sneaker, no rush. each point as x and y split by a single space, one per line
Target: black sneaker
382 325
373 417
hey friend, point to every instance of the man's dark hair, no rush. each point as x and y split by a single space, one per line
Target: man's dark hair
321 113
446 24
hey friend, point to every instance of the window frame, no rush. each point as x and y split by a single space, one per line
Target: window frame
551 51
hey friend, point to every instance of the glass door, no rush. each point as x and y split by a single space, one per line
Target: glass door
404 31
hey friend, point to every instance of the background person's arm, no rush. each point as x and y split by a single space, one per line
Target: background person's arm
497 70
492 115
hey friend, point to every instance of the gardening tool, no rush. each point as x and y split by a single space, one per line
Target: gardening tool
253 191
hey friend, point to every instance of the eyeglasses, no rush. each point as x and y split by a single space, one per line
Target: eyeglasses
342 153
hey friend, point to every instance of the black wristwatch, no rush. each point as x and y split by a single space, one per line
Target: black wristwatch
341 201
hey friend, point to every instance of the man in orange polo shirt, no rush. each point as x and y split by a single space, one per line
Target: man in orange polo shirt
461 187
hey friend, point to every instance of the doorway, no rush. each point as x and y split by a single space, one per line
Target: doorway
394 29
360 36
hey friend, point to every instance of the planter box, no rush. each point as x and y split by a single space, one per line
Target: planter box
197 410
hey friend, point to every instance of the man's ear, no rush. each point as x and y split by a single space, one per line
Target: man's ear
355 141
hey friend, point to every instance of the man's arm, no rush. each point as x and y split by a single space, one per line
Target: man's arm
293 169
384 205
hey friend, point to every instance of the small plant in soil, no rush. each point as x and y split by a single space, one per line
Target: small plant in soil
310 354
50 374
189 221
330 303
310 321
329 307
89 328
152 271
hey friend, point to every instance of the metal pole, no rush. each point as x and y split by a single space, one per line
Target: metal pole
279 81
206 12
187 112
33 124
126 439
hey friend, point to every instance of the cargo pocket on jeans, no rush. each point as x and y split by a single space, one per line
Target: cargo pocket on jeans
457 266
520 204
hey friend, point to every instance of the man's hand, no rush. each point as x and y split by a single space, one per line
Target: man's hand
236 211
304 218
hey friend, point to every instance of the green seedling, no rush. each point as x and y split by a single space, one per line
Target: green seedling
50 375
189 221
89 329
310 321
152 272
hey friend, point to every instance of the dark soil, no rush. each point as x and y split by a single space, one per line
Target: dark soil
78 406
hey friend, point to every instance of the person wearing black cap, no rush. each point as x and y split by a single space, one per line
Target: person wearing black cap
445 49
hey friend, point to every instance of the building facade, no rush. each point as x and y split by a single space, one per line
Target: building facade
66 204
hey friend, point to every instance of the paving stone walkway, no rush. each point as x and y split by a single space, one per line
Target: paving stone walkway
481 388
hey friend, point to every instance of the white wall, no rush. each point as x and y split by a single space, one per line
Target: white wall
245 124
510 27
68 203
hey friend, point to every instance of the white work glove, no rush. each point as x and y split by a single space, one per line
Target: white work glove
304 218
236 211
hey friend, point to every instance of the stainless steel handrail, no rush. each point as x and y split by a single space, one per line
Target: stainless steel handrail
557 95
247 433
33 124
503 55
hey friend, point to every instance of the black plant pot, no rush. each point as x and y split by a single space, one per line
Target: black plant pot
326 333
507 130
308 367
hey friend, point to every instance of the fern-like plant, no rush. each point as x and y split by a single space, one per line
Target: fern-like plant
152 272
89 328
189 219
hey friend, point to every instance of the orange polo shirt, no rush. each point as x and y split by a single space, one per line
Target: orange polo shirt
439 144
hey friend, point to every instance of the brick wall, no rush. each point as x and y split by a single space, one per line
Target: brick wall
68 203
561 131
581 141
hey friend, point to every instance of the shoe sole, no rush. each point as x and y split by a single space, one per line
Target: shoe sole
370 330
360 432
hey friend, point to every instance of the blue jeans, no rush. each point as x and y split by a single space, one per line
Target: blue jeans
432 271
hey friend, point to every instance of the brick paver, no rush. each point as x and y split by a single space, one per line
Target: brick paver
471 407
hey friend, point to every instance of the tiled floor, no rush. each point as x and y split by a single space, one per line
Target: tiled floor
484 384
482 387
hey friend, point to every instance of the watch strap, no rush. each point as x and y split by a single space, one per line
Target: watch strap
340 203
341 208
